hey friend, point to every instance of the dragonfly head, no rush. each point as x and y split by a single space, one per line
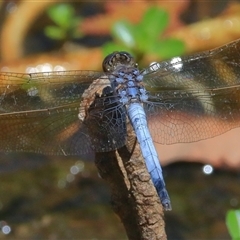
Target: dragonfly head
116 59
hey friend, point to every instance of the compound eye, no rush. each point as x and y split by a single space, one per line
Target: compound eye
112 61
108 62
126 58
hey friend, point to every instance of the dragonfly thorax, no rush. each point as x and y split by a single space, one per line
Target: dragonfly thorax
127 83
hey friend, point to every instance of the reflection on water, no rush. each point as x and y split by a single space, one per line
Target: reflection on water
60 199
65 198
200 201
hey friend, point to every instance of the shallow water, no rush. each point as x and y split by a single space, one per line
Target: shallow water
44 200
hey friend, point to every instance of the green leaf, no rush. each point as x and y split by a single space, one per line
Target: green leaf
55 32
141 39
124 32
144 38
75 29
113 47
168 48
61 14
233 223
154 22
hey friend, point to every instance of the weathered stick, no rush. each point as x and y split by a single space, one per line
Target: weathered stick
134 198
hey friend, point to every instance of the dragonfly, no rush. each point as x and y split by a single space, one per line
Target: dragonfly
79 112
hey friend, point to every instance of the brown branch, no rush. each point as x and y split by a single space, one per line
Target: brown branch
134 198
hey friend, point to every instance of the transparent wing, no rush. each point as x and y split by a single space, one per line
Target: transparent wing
194 97
107 122
39 113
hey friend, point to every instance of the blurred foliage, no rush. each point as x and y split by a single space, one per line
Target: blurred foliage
139 39
66 23
233 223
143 38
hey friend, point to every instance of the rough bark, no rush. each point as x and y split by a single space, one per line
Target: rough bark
134 198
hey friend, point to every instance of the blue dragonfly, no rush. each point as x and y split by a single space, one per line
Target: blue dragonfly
80 112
